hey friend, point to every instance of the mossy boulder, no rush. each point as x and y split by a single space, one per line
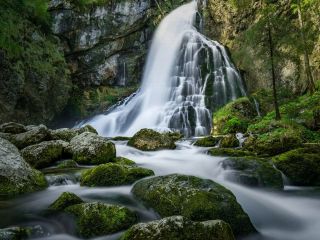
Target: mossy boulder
301 166
14 233
66 199
179 228
96 219
16 175
12 127
33 135
274 142
229 141
66 134
231 152
44 154
195 198
113 174
89 148
65 164
234 117
150 140
252 171
124 161
209 141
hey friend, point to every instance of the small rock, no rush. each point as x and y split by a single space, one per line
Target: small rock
209 141
65 200
179 228
67 164
150 140
14 233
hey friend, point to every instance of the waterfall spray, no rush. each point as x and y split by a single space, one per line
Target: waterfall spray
186 77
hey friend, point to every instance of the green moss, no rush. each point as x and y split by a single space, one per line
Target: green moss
96 219
66 199
229 152
194 198
124 161
113 174
229 141
209 141
234 117
67 164
301 166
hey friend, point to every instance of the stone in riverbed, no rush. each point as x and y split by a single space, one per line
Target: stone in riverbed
67 164
45 153
301 166
252 171
89 148
179 228
229 141
230 152
195 198
113 174
209 141
66 199
96 219
16 176
66 134
12 127
150 140
14 233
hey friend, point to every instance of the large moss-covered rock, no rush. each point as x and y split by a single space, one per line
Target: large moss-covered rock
33 135
113 174
252 171
16 176
44 154
179 228
14 233
229 141
273 142
150 140
234 117
12 127
301 166
209 141
89 148
195 198
96 219
66 199
66 134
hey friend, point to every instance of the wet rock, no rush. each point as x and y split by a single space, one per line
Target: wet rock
150 140
301 166
231 152
16 176
96 219
58 179
67 164
113 174
252 171
66 199
209 141
33 135
195 198
229 141
66 134
179 228
12 127
14 233
89 148
44 154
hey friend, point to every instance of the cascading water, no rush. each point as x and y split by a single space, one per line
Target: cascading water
186 77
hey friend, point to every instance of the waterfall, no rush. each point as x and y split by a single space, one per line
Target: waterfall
186 77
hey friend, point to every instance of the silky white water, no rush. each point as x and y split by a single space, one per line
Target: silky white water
186 76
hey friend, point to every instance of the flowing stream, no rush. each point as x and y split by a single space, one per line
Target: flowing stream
292 214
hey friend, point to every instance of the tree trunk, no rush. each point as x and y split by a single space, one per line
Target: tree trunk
310 82
274 87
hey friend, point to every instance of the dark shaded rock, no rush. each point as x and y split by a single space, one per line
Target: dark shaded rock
195 198
14 233
179 228
252 171
209 141
231 152
67 164
12 127
150 140
229 141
